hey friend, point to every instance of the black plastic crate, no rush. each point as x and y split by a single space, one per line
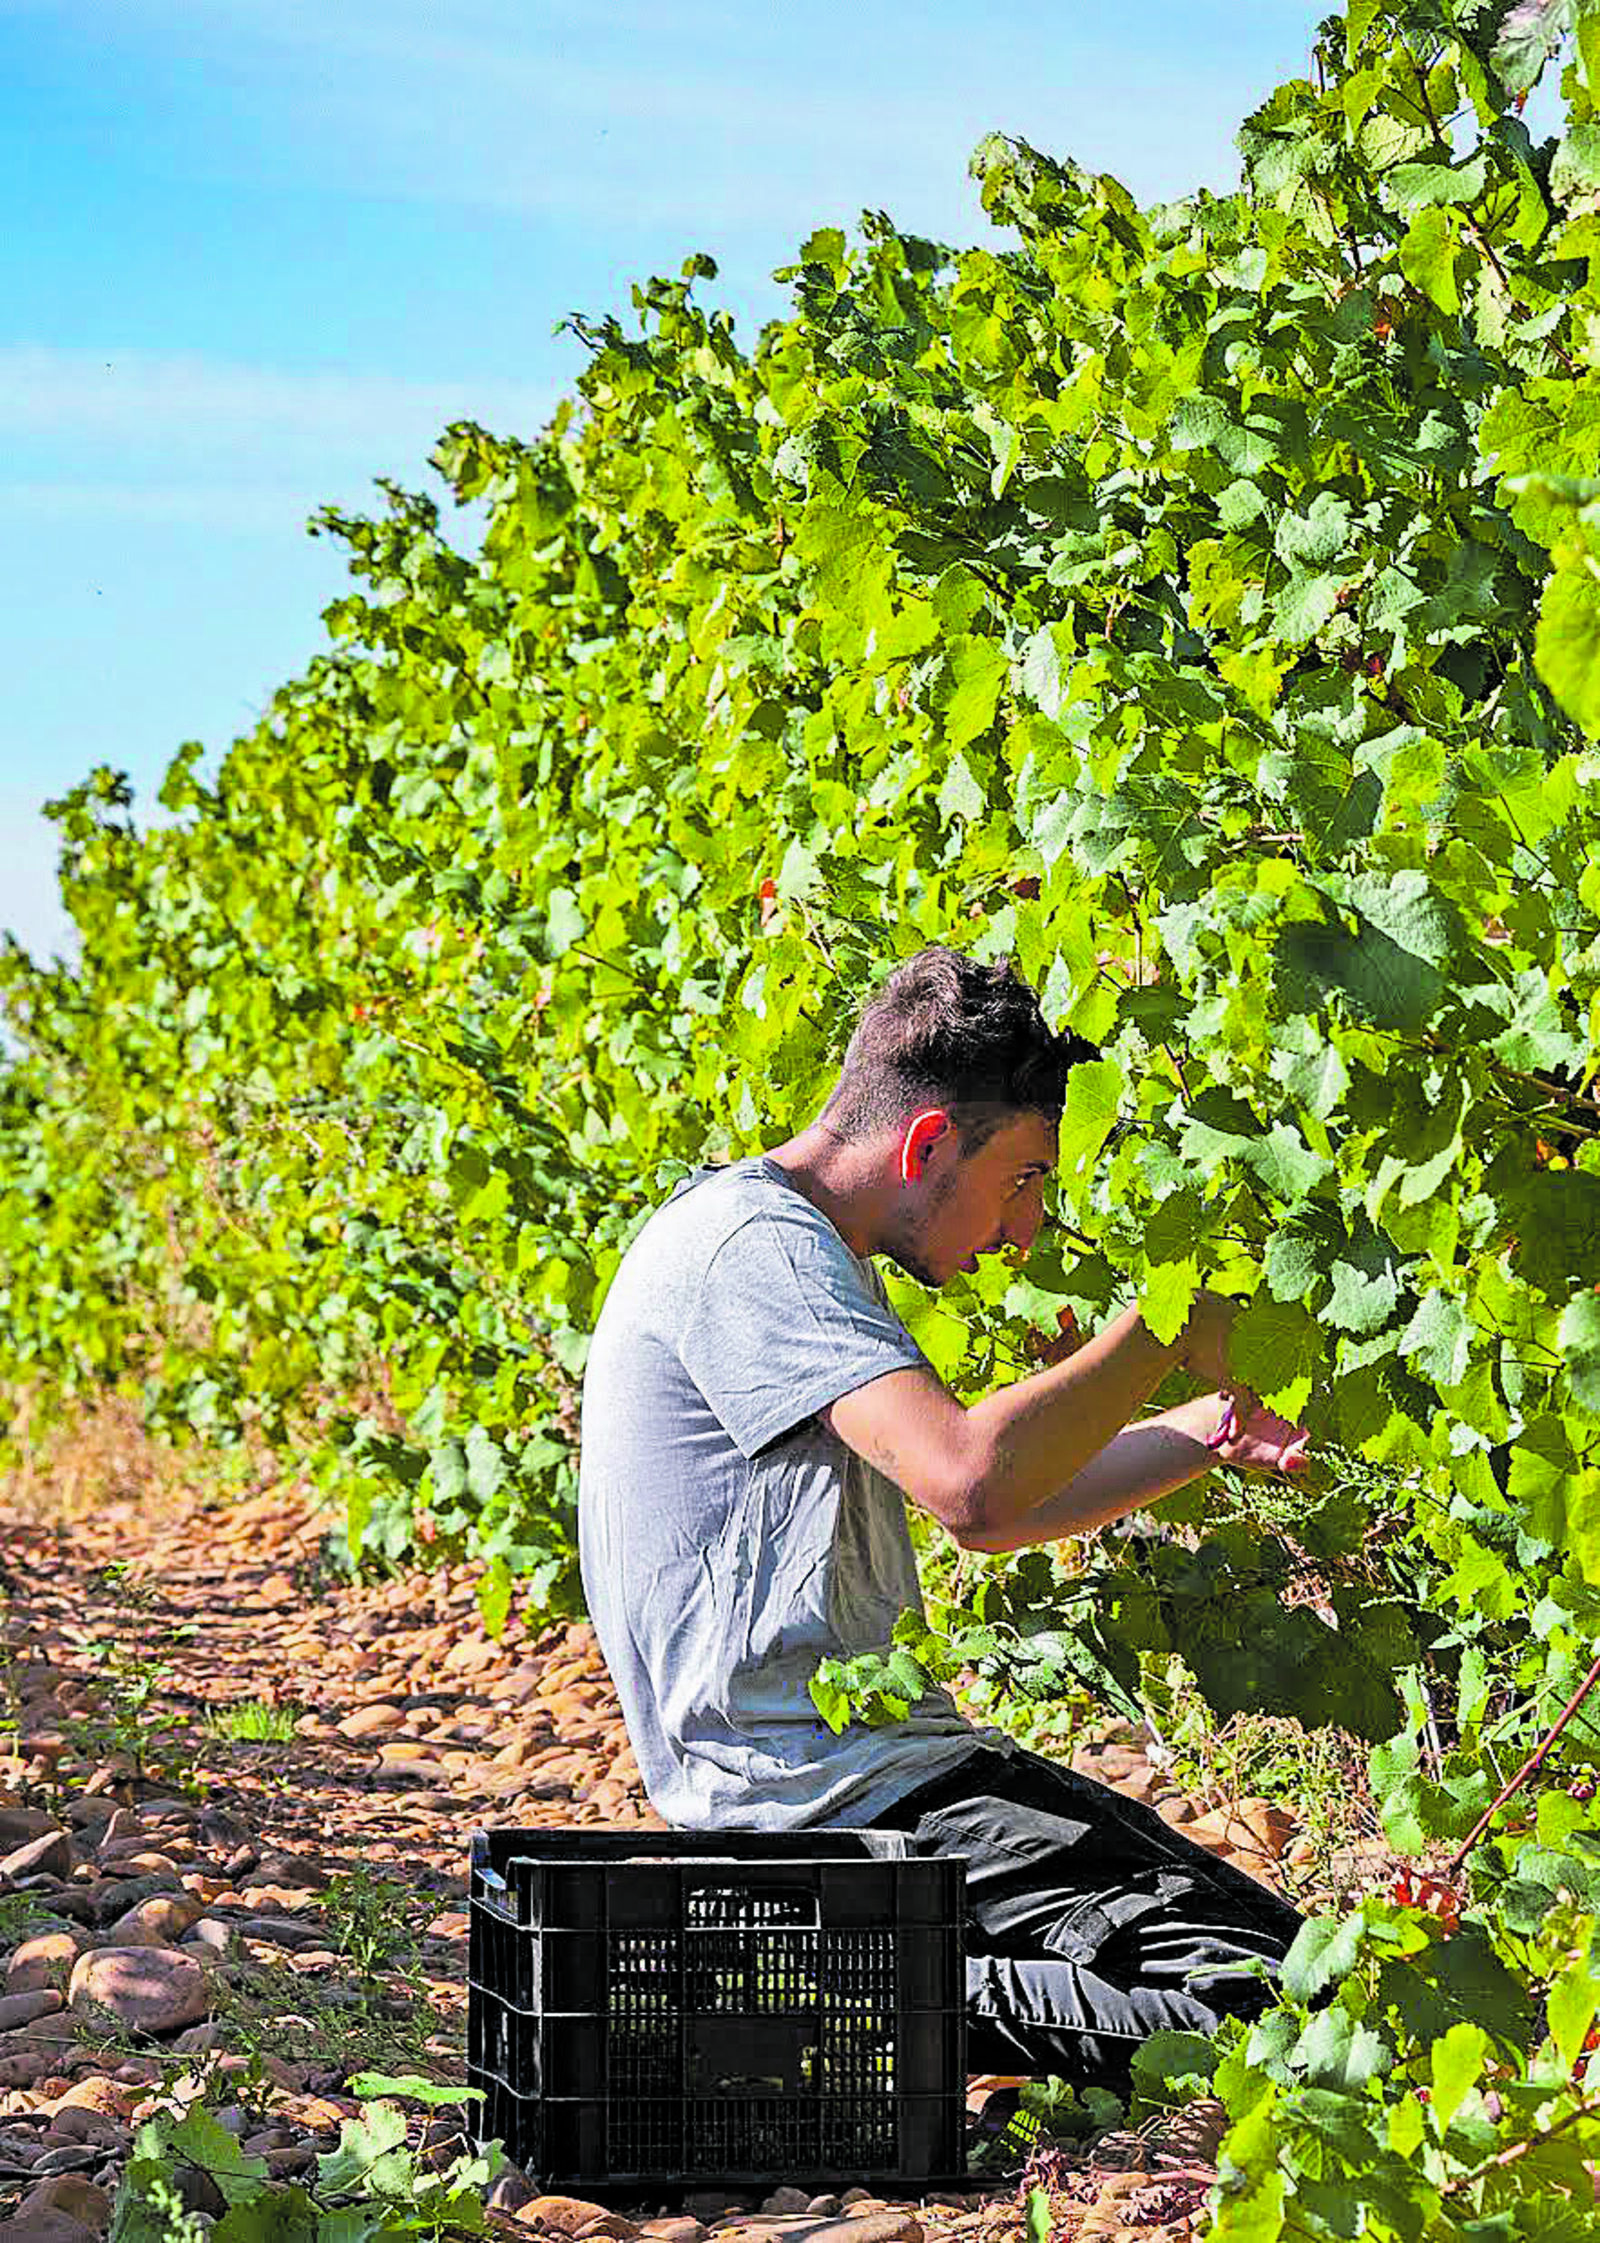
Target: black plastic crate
690 2007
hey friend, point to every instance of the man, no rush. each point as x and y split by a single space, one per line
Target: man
755 1417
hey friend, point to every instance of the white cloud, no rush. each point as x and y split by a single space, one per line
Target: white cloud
151 400
230 509
717 122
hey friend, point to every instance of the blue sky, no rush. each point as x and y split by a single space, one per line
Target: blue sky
261 251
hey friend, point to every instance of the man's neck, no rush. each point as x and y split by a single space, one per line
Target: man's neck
847 1182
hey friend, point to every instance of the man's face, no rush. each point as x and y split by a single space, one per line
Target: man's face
959 1208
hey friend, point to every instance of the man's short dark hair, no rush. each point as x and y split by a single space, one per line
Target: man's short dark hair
946 1031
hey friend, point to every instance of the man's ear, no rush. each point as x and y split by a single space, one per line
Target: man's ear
921 1131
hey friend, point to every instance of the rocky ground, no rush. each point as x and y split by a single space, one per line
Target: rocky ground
192 1913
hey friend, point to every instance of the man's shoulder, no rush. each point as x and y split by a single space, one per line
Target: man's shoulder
747 1218
711 1204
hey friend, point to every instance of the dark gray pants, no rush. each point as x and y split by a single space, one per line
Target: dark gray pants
1090 1924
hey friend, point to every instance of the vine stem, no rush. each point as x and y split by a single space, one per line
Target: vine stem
1534 1760
1509 2156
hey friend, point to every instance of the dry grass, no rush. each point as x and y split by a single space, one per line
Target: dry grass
101 1454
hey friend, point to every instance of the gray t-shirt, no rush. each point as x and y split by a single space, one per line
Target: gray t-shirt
729 1540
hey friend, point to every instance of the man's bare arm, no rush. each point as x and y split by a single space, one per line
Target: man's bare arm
984 1471
1139 1465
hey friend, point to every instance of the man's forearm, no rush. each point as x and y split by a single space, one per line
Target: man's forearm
1137 1466
982 1469
1040 1434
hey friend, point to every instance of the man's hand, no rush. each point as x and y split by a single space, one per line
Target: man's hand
1255 1437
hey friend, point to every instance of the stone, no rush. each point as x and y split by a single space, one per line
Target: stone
106 1776
823 2207
787 2200
48 1855
54 2029
270 1900
277 1590
319 2113
72 2195
89 1814
220 1832
710 2203
26 2068
75 2124
372 1720
1211 1831
880 2225
157 1922
198 2040
19 1824
513 2189
107 1897
195 2189
288 1869
138 2071
1260 1866
98 2093
282 1931
22 2009
42 1748
563 2215
1270 1826
45 2225
672 2228
150 1989
211 1933
153 1845
289 2161
144 1861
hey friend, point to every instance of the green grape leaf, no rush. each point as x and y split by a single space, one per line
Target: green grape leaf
1292 1263
1579 1337
1414 185
960 795
1428 256
370 2154
1458 2060
1437 1339
1312 539
1276 1349
1571 2008
979 668
1166 1295
1325 1951
1336 2051
1361 1302
1094 1094
1567 649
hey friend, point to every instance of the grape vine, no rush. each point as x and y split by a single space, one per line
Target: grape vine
1200 605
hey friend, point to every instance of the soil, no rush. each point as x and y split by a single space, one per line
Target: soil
186 1911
